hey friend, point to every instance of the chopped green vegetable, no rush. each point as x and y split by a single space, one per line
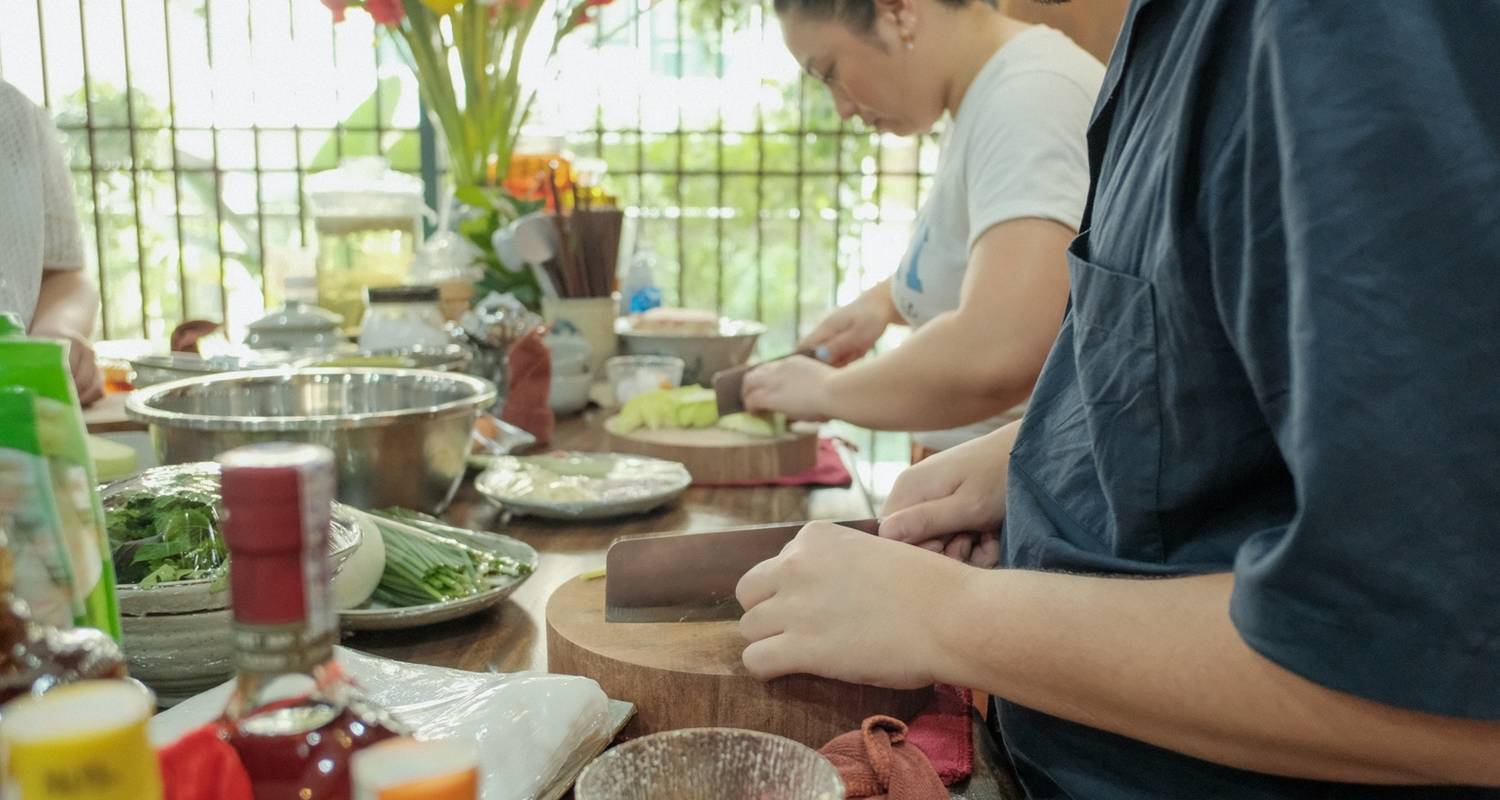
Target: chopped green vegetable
765 425
424 563
687 407
160 538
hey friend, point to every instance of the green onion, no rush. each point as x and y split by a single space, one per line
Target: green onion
425 564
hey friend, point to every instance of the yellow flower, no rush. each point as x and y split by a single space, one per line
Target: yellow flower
441 7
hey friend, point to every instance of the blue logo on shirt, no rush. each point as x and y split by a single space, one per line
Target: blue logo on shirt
913 280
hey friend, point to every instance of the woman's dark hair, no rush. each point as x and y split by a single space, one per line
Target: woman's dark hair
859 15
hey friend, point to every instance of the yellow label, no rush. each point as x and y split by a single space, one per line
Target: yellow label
115 764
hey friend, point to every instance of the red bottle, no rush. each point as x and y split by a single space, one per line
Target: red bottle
294 719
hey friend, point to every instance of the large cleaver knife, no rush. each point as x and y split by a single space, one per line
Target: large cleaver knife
688 577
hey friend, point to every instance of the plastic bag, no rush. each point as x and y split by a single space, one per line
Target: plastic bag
529 728
164 526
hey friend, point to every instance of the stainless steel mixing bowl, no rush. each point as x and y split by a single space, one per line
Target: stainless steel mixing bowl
400 437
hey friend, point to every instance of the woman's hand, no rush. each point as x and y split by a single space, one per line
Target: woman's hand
796 386
849 332
81 362
957 491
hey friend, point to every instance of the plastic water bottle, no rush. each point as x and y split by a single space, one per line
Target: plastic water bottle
638 292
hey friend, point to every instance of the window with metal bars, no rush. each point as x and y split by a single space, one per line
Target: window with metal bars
192 126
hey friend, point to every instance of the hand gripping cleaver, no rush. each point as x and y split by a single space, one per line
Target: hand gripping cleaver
689 577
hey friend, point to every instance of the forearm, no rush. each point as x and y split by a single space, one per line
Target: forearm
953 371
66 305
1160 661
878 297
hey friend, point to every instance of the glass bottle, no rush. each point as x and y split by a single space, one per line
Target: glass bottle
294 718
369 223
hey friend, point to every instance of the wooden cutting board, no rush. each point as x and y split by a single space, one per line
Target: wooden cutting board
689 675
714 455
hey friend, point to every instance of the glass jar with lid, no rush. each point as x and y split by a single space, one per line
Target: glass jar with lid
369 223
402 317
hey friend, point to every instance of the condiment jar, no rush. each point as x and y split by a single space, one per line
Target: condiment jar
402 317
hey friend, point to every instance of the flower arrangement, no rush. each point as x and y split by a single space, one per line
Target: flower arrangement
467 57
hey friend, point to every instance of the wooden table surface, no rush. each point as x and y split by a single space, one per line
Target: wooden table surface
513 636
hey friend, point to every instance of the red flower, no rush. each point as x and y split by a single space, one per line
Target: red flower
386 12
597 2
337 7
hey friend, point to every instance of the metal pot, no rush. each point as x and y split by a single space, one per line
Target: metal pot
400 437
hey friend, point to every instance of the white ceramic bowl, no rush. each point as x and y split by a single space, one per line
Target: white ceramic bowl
570 354
570 393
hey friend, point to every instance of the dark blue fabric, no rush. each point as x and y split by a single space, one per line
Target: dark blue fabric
1282 358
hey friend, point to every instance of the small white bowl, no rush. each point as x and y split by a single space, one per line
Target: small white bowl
570 354
569 393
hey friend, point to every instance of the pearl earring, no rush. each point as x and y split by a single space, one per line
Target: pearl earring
908 41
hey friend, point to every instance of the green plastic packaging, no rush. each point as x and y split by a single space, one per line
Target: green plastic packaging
48 491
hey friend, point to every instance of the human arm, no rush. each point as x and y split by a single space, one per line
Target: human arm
67 303
66 308
1154 660
963 366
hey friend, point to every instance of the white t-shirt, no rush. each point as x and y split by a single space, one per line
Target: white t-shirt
38 222
1015 149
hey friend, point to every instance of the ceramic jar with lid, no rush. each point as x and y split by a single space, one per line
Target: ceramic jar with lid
402 317
296 326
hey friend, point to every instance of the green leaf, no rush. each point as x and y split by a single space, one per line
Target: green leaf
472 195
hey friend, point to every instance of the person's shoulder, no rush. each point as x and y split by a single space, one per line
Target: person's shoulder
1041 55
15 104
1039 73
19 116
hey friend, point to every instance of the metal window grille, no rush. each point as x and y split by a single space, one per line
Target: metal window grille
190 167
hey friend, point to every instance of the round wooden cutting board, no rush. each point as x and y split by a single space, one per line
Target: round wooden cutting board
714 455
689 675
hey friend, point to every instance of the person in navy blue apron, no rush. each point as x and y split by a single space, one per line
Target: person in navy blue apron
1252 517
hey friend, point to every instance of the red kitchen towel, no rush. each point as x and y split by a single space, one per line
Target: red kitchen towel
945 733
528 385
828 471
878 761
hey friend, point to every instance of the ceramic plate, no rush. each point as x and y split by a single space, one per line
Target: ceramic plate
376 616
579 486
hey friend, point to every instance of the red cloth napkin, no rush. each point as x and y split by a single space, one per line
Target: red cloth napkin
528 384
945 733
202 766
879 761
829 470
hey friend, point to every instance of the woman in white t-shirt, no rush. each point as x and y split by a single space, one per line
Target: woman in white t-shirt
984 282
41 244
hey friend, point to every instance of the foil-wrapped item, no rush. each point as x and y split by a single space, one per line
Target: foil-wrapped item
491 327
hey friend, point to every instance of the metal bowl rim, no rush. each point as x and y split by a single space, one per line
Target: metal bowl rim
139 404
743 328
